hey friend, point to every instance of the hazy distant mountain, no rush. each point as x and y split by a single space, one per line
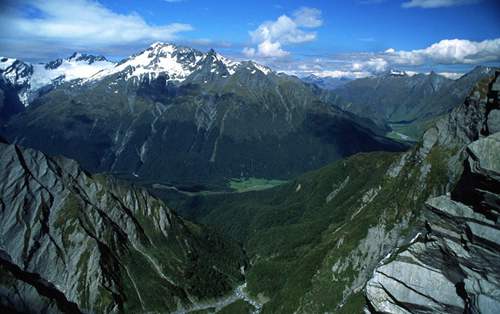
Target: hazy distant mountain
173 113
326 82
409 103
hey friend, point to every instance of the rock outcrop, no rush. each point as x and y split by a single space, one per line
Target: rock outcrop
455 266
72 242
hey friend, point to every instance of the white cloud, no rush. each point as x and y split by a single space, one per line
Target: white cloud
431 4
342 74
449 51
249 52
443 53
270 36
372 65
451 75
448 57
270 49
308 17
80 23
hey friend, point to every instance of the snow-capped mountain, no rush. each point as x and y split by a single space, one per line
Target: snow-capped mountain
78 66
176 64
28 79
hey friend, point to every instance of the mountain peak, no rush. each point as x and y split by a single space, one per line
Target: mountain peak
159 44
6 62
78 56
159 58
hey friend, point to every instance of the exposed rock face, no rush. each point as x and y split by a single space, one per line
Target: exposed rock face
455 266
74 243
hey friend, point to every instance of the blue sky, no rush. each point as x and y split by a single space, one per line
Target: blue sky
323 37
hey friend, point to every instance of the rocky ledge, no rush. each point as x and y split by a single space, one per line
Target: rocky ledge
453 267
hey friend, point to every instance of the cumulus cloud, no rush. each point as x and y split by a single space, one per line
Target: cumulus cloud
373 65
448 57
449 51
431 4
78 23
270 36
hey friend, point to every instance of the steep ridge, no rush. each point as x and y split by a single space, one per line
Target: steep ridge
75 243
313 243
173 114
454 265
410 104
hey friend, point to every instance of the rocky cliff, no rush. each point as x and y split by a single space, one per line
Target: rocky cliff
453 265
78 243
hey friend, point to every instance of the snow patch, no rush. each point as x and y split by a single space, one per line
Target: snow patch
262 68
68 70
6 62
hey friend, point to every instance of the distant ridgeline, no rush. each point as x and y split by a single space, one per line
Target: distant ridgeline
408 104
174 114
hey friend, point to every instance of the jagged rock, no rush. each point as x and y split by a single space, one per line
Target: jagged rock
494 121
455 267
91 244
481 179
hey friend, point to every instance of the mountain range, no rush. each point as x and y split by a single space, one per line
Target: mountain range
174 114
136 187
409 104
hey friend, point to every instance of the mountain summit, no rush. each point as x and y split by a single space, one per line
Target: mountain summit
29 81
175 63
